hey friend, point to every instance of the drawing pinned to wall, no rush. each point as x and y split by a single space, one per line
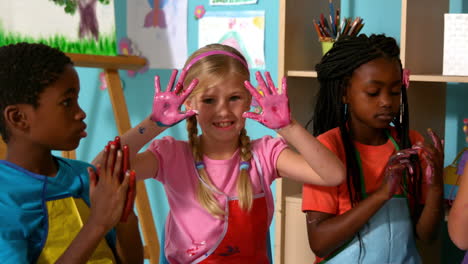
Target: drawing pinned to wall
233 2
156 16
75 26
242 30
159 29
127 47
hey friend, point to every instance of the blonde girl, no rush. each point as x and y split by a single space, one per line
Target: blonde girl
218 182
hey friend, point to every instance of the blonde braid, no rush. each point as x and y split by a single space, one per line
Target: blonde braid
204 195
244 185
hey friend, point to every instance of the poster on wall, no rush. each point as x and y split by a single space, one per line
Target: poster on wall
455 60
80 26
158 28
233 2
242 30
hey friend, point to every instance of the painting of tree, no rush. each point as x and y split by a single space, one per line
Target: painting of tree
87 9
75 26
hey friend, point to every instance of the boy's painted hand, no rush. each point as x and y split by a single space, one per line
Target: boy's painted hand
131 192
166 105
131 195
275 106
433 155
107 192
396 166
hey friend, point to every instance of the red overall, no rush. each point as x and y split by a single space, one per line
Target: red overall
245 239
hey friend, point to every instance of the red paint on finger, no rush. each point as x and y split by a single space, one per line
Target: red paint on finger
117 142
130 199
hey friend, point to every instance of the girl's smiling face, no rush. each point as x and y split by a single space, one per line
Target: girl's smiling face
220 107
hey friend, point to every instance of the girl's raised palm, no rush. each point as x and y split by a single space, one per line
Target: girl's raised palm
275 106
166 105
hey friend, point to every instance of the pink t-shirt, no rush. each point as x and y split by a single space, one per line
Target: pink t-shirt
190 230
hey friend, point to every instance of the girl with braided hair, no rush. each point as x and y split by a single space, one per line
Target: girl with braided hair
393 189
217 183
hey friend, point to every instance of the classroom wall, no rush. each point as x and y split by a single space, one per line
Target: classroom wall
376 21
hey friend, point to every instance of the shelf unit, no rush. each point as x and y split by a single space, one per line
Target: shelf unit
421 44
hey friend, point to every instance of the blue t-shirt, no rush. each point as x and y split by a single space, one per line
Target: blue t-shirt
23 196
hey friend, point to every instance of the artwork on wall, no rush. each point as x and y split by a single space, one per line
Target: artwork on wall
127 47
243 30
233 2
455 60
79 26
159 29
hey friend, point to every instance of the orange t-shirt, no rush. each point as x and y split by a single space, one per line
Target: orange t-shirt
335 200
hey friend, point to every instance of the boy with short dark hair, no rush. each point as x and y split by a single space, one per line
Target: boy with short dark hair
54 210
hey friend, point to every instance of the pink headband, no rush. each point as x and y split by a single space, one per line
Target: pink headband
208 53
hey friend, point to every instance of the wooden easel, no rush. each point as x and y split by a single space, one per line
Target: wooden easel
111 65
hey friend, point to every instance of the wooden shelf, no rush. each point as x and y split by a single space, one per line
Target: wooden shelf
119 62
312 74
414 77
438 78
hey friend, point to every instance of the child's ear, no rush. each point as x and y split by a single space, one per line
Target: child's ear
15 117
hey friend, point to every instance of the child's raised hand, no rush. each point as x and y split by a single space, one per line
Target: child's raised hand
131 192
107 192
433 155
396 166
275 106
166 105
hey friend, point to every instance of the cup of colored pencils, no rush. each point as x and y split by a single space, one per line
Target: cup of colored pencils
329 29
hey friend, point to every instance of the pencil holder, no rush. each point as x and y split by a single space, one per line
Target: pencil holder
331 27
326 46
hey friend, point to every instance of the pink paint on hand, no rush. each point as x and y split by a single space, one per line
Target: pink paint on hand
396 166
166 105
275 106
